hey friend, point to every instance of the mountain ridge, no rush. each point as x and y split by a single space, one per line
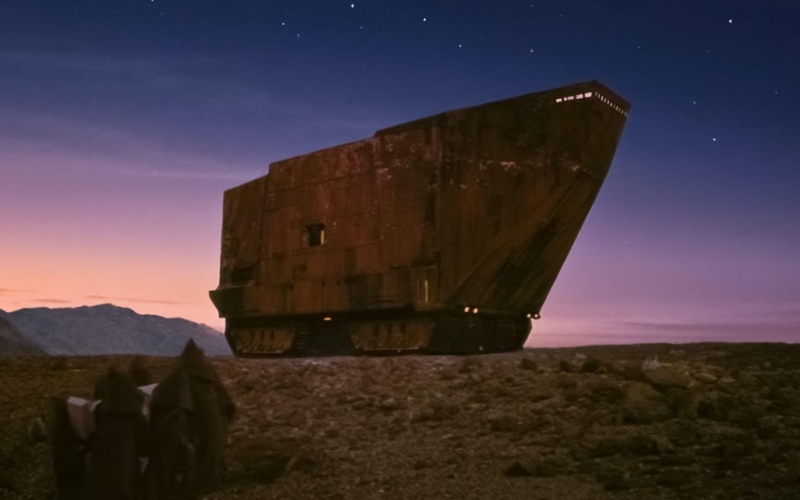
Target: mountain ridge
15 343
110 329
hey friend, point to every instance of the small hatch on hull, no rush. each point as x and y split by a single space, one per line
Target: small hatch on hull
316 234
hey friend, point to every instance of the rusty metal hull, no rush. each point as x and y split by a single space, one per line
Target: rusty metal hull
441 235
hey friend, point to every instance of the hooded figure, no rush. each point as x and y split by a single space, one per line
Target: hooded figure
69 452
139 373
116 444
190 414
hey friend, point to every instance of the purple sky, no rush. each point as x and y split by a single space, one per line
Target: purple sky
121 123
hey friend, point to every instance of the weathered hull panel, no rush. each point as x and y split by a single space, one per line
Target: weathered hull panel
442 235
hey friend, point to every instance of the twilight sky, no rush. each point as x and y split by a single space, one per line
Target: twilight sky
122 122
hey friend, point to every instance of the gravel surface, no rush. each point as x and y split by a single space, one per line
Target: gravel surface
630 422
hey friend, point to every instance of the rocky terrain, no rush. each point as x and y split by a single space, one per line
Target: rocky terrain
109 329
630 422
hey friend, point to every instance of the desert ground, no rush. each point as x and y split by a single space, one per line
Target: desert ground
630 422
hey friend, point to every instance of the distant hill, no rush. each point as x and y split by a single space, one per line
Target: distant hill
14 343
108 329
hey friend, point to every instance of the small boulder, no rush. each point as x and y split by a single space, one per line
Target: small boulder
644 405
529 364
517 469
705 377
665 377
531 466
541 393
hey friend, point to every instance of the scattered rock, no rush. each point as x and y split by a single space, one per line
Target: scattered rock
301 463
642 445
607 391
605 447
566 381
747 417
716 406
436 412
420 464
614 480
591 365
360 418
503 423
664 445
516 469
390 405
728 384
541 393
531 466
664 377
705 377
684 434
633 373
644 405
672 478
688 401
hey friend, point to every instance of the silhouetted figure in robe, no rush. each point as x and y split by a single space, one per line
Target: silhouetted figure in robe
69 452
116 444
139 373
190 414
